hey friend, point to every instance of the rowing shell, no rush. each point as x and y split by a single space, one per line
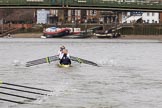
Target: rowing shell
64 66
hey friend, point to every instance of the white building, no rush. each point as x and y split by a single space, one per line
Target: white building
150 17
42 16
146 17
131 17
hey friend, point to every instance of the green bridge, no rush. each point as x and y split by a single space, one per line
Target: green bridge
143 5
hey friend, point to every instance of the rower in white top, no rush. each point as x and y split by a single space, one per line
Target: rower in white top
64 56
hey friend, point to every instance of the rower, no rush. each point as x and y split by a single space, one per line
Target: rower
60 53
65 60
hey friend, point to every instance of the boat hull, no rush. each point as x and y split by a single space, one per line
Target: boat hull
56 34
64 66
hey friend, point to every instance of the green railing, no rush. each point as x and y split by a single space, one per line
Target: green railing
142 29
23 3
156 5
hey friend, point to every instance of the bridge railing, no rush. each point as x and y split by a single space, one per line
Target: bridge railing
147 4
25 2
115 4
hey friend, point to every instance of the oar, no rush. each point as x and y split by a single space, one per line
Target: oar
48 59
12 101
18 96
22 90
24 86
80 60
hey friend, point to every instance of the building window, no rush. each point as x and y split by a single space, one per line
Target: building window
148 13
144 21
153 14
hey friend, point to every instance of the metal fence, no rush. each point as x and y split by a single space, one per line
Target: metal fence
138 4
141 29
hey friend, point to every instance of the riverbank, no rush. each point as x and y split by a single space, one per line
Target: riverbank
27 35
38 35
151 37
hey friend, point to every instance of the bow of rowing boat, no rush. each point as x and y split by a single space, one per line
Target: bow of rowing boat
64 66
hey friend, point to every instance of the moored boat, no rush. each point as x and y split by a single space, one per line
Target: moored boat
75 31
107 34
54 32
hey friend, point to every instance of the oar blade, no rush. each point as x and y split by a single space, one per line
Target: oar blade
42 60
80 60
36 62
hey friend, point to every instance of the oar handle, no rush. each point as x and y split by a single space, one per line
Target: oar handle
22 90
12 101
18 96
26 87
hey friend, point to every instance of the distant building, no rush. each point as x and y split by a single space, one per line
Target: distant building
52 16
145 17
73 15
81 15
160 17
93 16
150 17
42 16
108 17
131 17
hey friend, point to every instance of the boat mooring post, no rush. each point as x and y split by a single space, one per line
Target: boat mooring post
73 26
86 27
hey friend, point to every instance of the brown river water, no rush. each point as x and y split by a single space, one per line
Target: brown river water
129 76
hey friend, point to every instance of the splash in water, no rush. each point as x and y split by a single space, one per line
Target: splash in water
16 63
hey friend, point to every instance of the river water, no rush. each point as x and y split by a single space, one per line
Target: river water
129 76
